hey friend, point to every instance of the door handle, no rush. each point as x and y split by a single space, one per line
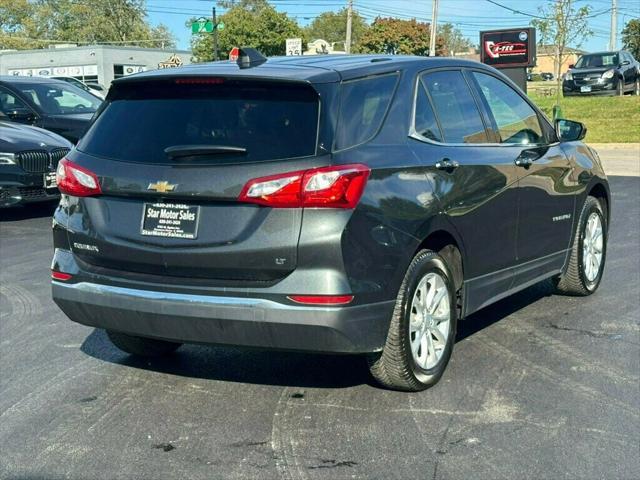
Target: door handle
527 157
446 164
524 162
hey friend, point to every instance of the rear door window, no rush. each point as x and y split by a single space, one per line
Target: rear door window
363 106
455 107
269 120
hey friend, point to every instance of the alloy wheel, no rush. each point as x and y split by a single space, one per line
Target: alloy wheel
592 246
430 321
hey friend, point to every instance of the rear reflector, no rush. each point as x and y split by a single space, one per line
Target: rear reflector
339 186
75 180
61 276
321 299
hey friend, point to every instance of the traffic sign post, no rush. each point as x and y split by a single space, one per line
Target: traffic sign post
293 46
204 25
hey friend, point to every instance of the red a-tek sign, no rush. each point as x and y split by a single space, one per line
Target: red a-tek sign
508 48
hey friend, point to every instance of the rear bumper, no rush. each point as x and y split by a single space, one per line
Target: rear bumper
239 321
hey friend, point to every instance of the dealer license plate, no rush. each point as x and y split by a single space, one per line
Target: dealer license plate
170 220
585 89
49 180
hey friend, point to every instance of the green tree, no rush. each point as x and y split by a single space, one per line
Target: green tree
563 25
91 21
631 37
332 27
16 24
248 23
453 40
395 36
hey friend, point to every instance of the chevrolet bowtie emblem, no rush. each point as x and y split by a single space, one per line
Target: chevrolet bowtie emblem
162 187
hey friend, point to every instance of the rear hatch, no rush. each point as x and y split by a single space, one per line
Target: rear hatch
172 156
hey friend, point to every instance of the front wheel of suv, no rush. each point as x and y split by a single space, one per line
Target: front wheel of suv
588 252
422 330
140 346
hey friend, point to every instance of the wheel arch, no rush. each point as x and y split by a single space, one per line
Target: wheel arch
448 247
600 192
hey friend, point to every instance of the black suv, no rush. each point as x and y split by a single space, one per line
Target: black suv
603 73
46 103
351 204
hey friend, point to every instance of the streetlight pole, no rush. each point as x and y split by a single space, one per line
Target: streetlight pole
347 43
215 35
434 28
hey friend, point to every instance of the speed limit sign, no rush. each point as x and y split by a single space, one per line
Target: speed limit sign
294 46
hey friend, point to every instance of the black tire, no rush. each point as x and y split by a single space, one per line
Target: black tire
620 88
395 367
141 346
636 87
574 280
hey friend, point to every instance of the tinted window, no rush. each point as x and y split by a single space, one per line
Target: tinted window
59 98
456 109
9 102
268 120
363 106
425 120
516 120
598 60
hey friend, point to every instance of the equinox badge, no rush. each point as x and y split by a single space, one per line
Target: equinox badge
162 187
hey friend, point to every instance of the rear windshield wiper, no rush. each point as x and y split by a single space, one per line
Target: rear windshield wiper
177 151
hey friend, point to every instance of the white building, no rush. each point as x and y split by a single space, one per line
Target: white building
97 63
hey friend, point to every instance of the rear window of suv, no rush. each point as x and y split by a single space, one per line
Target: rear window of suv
270 120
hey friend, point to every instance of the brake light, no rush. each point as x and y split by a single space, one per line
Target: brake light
60 276
338 186
75 180
322 299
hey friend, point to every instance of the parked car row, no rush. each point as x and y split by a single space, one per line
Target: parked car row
40 120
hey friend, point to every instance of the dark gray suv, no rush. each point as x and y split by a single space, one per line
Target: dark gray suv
347 204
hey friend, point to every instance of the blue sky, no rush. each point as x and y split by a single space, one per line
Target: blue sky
470 16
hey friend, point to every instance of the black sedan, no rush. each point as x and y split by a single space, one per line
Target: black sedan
28 160
50 104
603 73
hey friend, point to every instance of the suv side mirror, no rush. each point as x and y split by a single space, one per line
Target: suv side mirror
21 115
571 65
625 62
570 131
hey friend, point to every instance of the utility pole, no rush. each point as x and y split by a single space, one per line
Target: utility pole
347 43
215 35
614 25
434 28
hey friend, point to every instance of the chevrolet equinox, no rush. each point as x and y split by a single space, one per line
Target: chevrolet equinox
344 204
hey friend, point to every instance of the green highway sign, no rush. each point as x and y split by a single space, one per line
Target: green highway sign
202 26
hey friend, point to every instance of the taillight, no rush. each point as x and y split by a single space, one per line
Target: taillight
75 180
338 186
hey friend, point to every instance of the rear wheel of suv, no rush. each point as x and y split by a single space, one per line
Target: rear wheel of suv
422 329
140 346
588 253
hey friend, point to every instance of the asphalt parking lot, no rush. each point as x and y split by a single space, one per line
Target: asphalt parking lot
539 386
